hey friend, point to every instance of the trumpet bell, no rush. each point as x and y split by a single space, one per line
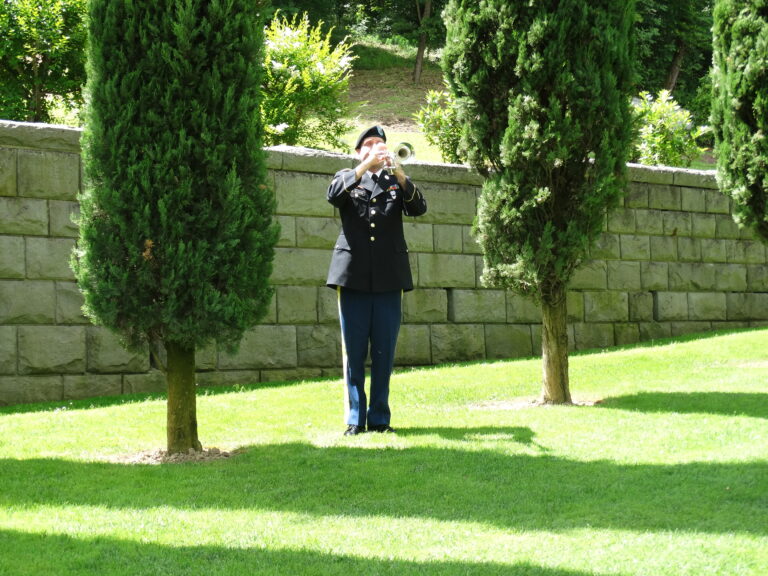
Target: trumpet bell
404 153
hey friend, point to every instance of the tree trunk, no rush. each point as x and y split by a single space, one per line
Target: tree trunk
554 344
182 407
674 69
422 40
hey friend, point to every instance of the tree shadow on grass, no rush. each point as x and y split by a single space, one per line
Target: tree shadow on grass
60 554
754 405
524 492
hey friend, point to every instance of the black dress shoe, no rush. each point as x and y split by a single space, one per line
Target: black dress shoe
353 430
381 428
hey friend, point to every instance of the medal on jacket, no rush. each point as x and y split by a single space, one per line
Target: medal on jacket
392 191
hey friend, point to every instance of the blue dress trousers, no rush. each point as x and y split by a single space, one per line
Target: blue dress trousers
370 270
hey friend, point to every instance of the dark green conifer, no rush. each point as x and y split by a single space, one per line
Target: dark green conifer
177 233
543 91
740 108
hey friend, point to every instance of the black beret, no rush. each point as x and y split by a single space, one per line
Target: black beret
372 131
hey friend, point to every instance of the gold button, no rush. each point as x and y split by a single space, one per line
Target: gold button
373 238
373 212
374 200
373 224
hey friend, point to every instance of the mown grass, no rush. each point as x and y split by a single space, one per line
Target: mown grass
664 472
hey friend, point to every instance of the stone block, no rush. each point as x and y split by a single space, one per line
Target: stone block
413 346
536 338
590 336
30 389
153 382
693 199
591 275
522 310
473 306
52 349
207 357
450 204
650 174
48 258
663 248
686 276
446 270
106 354
69 304
747 307
63 218
626 334
757 278
654 275
508 341
664 198
726 228
300 159
575 306
706 306
622 221
91 385
635 247
704 225
8 171
606 247
457 343
328 306
669 306
287 237
624 275
27 302
683 328
448 238
731 278
39 136
317 232
641 307
650 222
745 252
717 203
419 237
302 194
8 357
296 304
319 346
654 331
425 305
230 378
470 244
12 257
23 216
677 223
606 307
52 175
689 249
714 250
300 267
263 347
291 375
636 195
695 178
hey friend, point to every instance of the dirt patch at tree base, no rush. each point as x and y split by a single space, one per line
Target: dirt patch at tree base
155 457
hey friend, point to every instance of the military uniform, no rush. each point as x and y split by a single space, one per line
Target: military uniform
370 270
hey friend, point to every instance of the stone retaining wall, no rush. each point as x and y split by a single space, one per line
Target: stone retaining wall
671 261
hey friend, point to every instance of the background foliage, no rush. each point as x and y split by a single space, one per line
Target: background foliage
42 57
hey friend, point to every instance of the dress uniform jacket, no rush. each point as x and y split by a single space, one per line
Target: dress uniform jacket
371 254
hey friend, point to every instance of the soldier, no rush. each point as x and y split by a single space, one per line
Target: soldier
370 271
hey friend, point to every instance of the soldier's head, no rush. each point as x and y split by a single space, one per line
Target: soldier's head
368 140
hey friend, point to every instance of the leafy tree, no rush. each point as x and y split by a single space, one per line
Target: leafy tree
41 56
306 79
176 234
543 93
439 121
667 134
740 108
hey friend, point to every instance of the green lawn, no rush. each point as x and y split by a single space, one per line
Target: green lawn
663 472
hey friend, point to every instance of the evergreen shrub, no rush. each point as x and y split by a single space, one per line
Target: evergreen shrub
439 122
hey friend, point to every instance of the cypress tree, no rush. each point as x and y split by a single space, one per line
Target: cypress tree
740 108
176 232
543 93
